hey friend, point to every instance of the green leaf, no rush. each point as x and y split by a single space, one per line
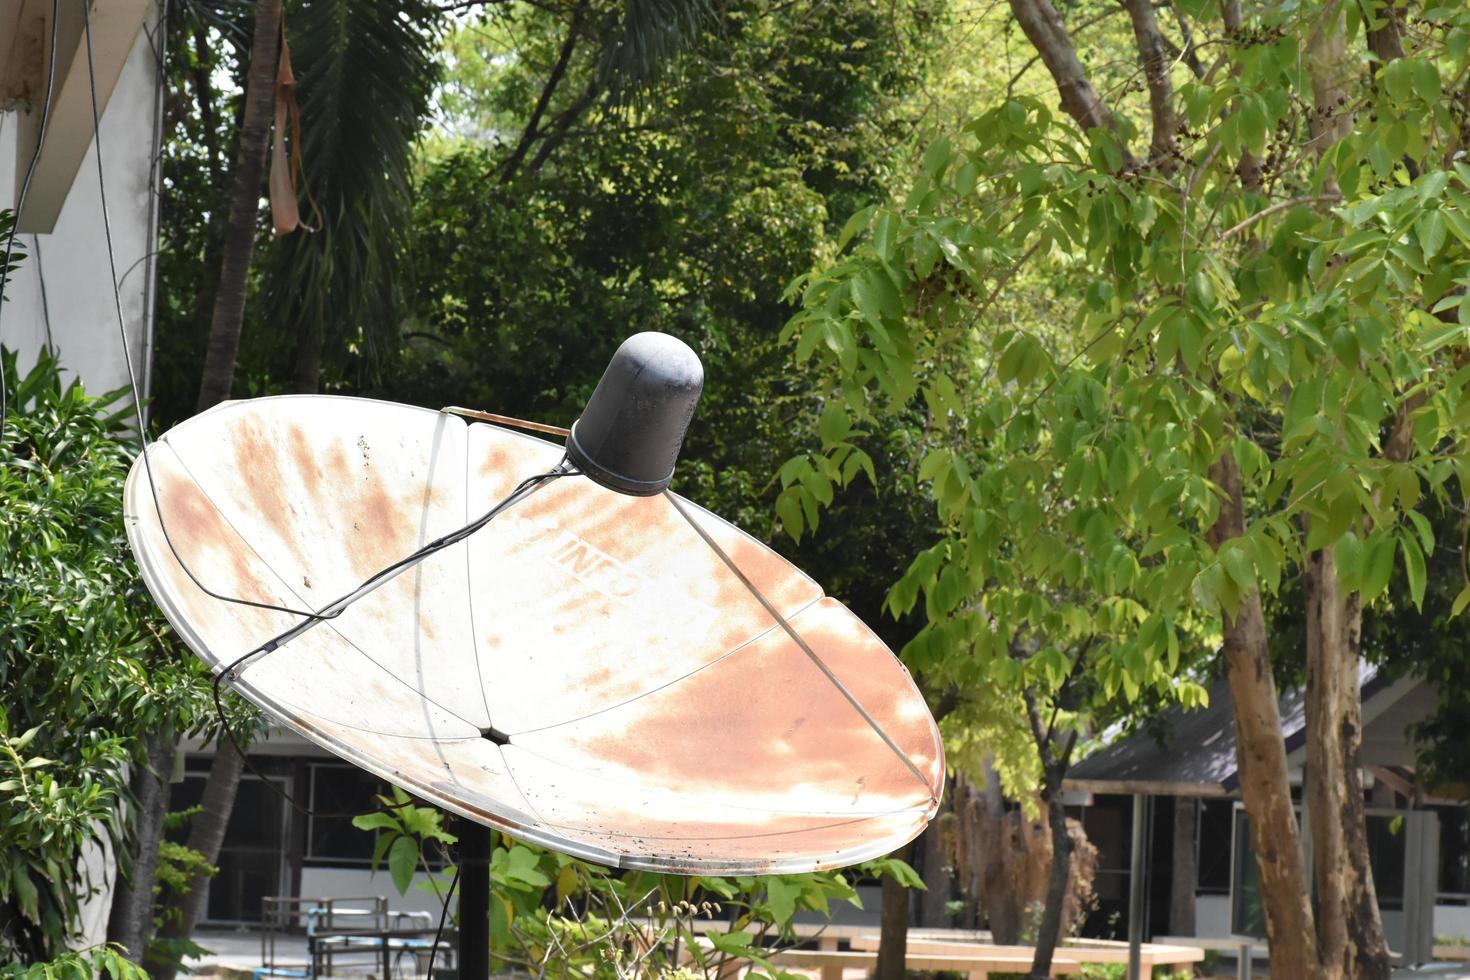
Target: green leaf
1238 564
1425 530
788 509
1461 601
855 224
1431 229
937 157
1396 79
1414 566
834 426
403 858
375 821
781 896
1426 80
1378 553
25 891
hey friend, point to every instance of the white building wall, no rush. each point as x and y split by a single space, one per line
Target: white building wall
343 882
74 256
1452 921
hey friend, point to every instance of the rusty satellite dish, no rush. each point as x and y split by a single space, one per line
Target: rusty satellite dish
626 678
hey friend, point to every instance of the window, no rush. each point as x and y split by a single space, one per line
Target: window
1388 855
1454 855
340 792
1212 857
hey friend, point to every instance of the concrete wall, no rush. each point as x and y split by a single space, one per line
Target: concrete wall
338 882
74 256
1452 921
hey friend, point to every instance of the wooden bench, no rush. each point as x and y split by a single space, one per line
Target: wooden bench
977 960
1243 948
832 962
1087 951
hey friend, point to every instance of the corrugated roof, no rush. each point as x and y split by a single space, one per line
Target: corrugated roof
1192 753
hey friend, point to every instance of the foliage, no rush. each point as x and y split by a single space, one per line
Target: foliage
17 249
86 661
177 864
526 283
1286 325
551 913
364 74
86 964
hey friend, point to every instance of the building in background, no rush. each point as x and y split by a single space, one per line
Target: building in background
1418 835
61 296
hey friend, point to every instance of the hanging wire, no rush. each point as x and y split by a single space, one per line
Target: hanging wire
443 917
128 357
45 302
339 605
229 673
25 189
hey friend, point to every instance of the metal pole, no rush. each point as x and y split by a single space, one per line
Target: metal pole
1136 889
474 901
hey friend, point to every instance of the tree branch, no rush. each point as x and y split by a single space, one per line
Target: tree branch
1153 52
560 126
1190 53
1043 27
1089 22
1323 198
558 71
1249 168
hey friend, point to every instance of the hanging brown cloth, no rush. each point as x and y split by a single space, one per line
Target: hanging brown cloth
285 172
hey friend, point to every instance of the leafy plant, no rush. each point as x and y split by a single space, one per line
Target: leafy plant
86 964
557 916
86 662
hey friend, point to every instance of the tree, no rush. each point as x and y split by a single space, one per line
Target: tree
243 208
1263 373
366 72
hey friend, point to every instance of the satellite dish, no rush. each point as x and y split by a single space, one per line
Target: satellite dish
628 679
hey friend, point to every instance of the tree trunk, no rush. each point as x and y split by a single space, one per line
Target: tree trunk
936 869
1046 32
1186 871
206 834
1249 168
1049 933
1332 74
237 243
1262 758
130 921
1004 912
246 183
893 932
1349 929
1158 62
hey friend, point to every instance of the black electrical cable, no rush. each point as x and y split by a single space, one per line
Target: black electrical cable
128 357
443 917
438 544
45 301
25 189
311 617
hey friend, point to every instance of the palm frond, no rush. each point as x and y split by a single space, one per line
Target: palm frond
653 34
365 70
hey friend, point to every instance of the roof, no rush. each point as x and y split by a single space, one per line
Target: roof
25 63
1192 753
